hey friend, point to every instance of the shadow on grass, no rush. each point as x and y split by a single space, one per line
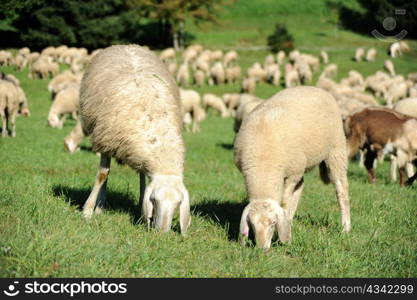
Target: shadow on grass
122 202
226 213
225 146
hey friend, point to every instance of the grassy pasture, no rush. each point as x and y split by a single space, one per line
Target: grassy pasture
42 188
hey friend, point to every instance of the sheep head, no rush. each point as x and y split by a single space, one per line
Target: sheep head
55 122
162 197
265 216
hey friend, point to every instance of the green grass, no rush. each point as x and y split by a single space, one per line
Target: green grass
42 188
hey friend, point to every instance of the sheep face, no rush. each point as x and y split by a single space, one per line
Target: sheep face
55 122
162 197
264 217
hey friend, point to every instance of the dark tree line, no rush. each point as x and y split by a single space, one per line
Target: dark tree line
99 23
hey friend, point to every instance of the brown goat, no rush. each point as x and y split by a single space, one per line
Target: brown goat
382 130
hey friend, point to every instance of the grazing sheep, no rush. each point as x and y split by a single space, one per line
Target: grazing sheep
62 80
167 54
330 71
292 78
73 140
397 48
269 60
232 101
10 78
229 58
13 101
217 73
191 105
65 102
249 85
359 54
371 54
20 62
289 133
273 74
407 106
183 75
233 74
280 57
304 72
382 131
6 58
215 102
389 66
130 107
256 72
244 109
324 57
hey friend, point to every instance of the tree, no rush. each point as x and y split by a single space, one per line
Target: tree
172 14
280 39
91 24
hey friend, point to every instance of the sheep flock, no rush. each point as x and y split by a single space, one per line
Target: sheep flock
134 103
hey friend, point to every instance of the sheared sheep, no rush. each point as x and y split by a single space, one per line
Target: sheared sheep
130 107
293 131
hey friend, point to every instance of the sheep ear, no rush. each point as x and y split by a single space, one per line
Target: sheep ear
147 206
283 225
185 218
244 225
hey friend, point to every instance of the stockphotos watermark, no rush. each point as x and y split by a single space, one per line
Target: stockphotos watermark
62 288
390 25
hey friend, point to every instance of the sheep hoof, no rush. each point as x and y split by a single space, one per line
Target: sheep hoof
88 213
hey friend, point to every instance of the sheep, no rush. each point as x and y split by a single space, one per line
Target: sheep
244 109
217 73
73 140
397 48
249 85
257 72
407 106
232 101
229 58
25 51
360 52
280 57
130 108
20 62
233 74
389 66
6 58
371 54
382 131
291 76
215 102
396 91
293 131
172 67
324 57
269 60
216 55
189 55
199 78
330 71
273 74
304 72
10 78
65 102
183 75
191 104
312 61
13 101
62 80
167 54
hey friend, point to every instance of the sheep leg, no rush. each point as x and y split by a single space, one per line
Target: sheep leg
4 125
402 161
337 165
295 199
13 123
410 169
393 169
99 189
361 159
369 164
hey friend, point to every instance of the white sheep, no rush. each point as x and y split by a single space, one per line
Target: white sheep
371 54
217 73
130 107
183 75
215 102
330 71
249 85
359 54
66 102
244 109
389 66
12 102
229 58
280 57
191 105
289 133
167 54
73 140
292 77
233 74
